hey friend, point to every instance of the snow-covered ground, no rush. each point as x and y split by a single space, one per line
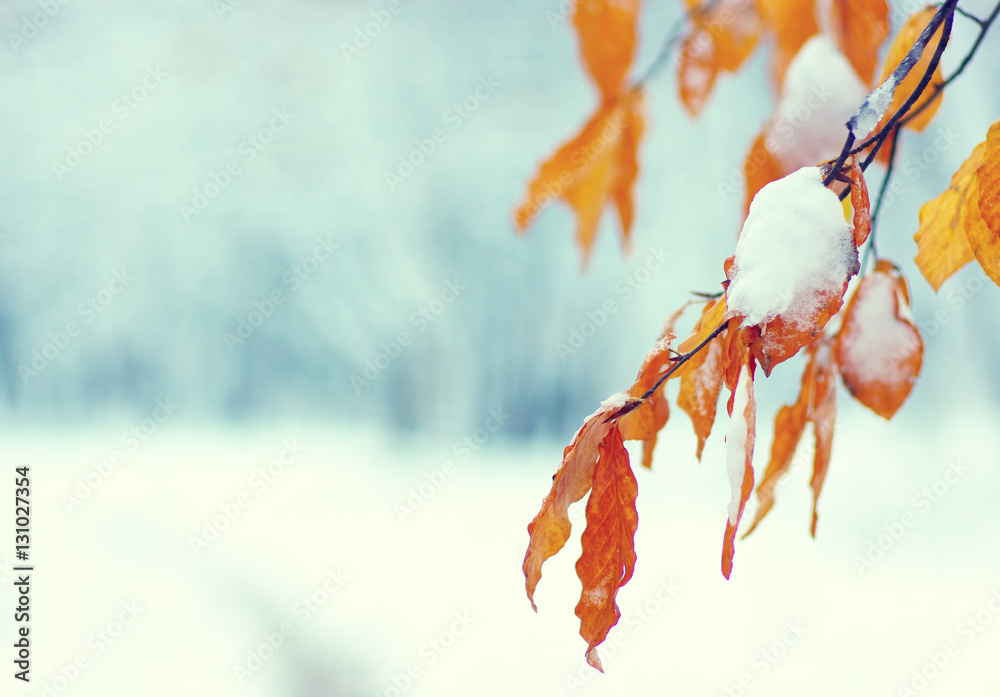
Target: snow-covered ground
168 167
383 565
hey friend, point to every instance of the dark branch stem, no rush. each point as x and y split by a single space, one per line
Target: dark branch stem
684 359
678 362
984 26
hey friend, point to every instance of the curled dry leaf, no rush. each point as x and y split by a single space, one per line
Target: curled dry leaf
551 527
644 422
597 167
608 543
878 348
700 387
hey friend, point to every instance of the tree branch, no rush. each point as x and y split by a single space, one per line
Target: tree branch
678 362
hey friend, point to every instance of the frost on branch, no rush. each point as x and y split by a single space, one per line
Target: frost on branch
793 261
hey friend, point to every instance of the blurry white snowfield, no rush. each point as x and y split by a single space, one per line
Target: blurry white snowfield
329 509
377 565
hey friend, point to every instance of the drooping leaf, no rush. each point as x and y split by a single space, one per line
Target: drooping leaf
607 32
793 261
645 422
789 425
860 203
816 404
878 348
699 392
739 459
596 168
860 27
982 221
608 557
550 529
942 245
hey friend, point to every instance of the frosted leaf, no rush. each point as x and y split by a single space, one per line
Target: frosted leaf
819 94
794 252
879 345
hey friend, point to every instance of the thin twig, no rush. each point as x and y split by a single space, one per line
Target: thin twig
881 196
678 362
673 36
984 26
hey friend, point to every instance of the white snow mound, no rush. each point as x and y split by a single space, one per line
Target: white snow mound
795 247
819 94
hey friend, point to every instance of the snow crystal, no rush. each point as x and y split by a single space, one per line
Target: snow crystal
615 401
878 343
795 246
868 115
820 93
736 443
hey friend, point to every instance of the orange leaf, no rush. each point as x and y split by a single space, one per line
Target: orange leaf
982 222
723 37
793 23
859 201
645 422
550 529
608 558
942 245
816 404
760 169
593 169
699 393
985 243
860 27
878 348
789 425
607 31
900 46
989 180
739 459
